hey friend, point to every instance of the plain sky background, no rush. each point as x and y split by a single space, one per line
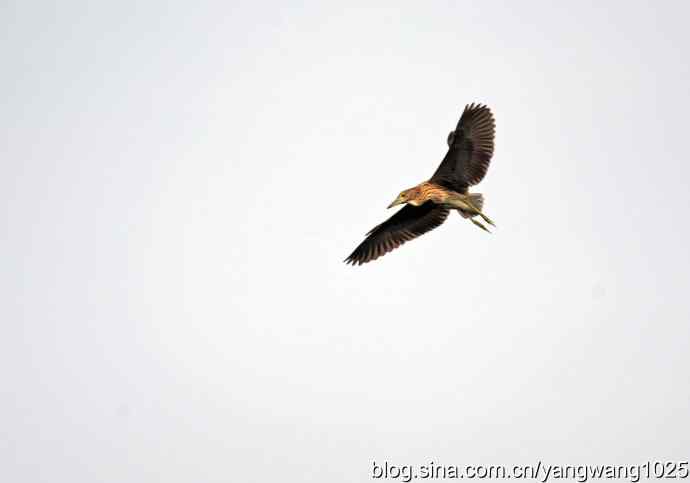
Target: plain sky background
180 182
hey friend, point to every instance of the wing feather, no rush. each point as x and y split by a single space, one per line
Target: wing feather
471 150
405 225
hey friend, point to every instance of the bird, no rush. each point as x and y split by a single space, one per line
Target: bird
427 205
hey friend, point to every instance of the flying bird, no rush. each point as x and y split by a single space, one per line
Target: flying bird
427 205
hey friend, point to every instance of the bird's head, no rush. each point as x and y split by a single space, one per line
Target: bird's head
411 196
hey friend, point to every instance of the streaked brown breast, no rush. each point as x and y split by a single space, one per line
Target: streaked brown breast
431 191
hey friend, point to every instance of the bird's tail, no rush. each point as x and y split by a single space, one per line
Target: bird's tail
477 199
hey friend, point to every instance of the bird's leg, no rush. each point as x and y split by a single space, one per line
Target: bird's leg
480 225
486 219
476 211
462 202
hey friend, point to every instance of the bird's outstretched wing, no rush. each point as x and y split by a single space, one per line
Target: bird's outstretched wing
469 151
407 224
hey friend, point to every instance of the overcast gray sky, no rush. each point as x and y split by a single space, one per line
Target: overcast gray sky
181 181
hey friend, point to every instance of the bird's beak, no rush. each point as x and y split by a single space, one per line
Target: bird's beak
395 203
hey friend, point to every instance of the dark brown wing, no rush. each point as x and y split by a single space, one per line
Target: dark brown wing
470 150
407 224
